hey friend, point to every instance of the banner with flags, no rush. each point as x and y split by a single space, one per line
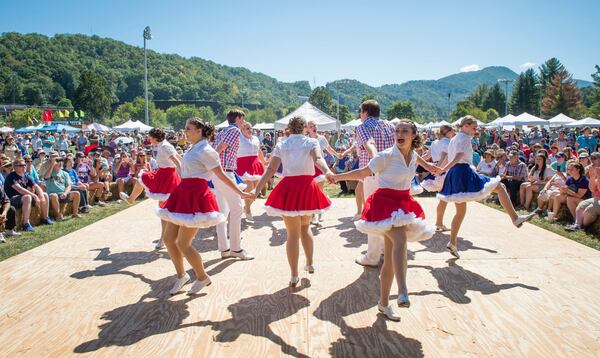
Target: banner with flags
47 116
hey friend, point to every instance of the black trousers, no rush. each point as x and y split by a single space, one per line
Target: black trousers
513 187
11 216
84 198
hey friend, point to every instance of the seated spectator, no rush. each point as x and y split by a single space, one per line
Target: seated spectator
5 169
575 190
561 162
9 148
22 191
539 175
8 215
30 170
487 165
588 210
515 175
41 158
124 173
584 159
99 174
58 187
63 143
151 160
77 185
83 169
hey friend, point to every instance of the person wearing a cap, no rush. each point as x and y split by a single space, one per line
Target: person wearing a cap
560 165
41 158
9 148
584 159
24 192
48 141
59 187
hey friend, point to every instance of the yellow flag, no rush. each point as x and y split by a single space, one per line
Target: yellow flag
67 114
60 114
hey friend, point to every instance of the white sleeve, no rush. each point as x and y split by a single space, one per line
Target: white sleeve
210 158
377 163
277 150
169 150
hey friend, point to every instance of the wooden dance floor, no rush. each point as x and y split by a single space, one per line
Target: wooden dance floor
103 291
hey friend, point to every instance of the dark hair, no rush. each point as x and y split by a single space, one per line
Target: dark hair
444 129
542 168
579 167
233 114
296 125
157 133
207 128
416 142
371 107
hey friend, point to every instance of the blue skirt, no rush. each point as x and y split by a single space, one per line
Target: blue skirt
463 184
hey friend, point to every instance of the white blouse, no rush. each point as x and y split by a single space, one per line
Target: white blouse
438 147
248 147
461 143
392 170
164 151
199 160
295 156
323 143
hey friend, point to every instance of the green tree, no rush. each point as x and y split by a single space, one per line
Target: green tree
478 96
177 115
92 95
207 114
495 99
490 115
24 118
401 109
562 96
13 91
321 99
136 111
548 70
594 110
345 115
33 94
64 102
525 95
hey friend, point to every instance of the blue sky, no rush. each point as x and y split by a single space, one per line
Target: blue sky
376 42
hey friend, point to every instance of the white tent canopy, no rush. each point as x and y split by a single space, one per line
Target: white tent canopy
526 119
352 124
560 119
437 124
499 122
222 125
309 112
264 126
586 122
130 126
6 129
98 127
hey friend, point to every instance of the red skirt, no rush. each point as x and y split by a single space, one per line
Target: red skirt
319 176
297 196
250 168
387 208
191 204
159 184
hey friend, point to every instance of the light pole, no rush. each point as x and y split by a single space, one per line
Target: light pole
242 93
506 82
539 87
147 36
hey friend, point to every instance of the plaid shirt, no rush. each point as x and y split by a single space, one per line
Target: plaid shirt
231 136
380 132
520 170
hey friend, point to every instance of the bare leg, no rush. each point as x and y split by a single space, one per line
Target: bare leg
358 191
55 206
185 236
135 193
523 193
45 206
505 201
461 210
307 239
587 218
529 195
170 238
292 247
26 208
558 201
386 275
440 211
121 185
400 251
76 200
572 204
250 185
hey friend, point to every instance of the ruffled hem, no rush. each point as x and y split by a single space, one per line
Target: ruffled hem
433 185
198 220
251 177
320 178
417 229
488 188
156 196
271 211
416 190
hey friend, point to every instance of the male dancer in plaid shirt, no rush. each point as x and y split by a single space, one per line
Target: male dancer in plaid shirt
230 203
372 136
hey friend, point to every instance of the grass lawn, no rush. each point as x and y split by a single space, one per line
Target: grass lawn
44 234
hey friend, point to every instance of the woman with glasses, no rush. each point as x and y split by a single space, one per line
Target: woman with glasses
539 175
250 163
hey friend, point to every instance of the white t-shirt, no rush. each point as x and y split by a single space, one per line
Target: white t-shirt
438 147
323 143
248 147
295 156
199 160
548 173
164 151
486 168
461 143
391 169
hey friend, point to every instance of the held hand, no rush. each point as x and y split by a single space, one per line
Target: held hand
245 195
435 170
331 178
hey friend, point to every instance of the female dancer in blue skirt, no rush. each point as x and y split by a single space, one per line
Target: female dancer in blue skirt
463 184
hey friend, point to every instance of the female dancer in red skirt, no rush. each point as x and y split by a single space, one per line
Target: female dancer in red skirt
391 211
297 196
158 183
250 163
325 147
192 205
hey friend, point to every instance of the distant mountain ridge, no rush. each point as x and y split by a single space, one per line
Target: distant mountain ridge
429 97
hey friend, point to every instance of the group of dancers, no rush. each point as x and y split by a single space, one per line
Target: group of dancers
202 189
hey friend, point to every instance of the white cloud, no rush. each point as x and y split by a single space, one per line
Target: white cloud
470 68
527 65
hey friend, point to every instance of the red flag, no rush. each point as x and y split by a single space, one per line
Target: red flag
45 116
